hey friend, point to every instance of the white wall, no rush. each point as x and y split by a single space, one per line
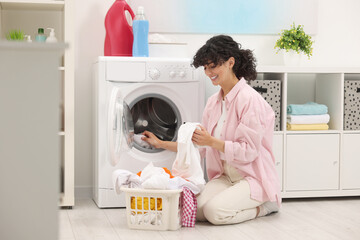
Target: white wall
336 44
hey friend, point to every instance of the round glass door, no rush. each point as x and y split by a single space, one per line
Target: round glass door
120 127
157 114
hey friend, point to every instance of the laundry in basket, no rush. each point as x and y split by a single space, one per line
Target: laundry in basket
153 209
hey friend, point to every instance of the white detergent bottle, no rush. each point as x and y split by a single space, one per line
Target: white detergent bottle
51 38
28 38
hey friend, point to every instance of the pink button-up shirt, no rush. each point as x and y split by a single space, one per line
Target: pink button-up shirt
248 135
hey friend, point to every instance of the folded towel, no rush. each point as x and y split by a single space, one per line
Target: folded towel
309 108
308 119
305 127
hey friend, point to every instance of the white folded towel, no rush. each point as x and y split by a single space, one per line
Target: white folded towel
187 163
308 119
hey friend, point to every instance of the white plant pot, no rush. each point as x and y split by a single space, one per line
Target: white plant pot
292 58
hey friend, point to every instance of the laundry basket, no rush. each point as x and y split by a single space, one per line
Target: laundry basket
151 209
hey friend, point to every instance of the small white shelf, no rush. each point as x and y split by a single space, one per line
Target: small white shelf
31 5
315 163
28 16
306 69
312 132
351 131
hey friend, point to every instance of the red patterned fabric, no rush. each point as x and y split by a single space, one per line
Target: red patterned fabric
189 207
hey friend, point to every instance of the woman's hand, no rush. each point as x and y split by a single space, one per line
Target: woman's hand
151 139
202 137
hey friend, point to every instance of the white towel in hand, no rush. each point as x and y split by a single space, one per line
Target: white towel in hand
187 163
308 119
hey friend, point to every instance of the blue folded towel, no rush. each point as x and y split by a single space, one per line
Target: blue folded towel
309 108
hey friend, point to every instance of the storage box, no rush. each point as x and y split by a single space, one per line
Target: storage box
150 209
271 92
352 105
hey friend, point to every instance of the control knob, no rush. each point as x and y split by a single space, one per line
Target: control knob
182 74
154 73
172 74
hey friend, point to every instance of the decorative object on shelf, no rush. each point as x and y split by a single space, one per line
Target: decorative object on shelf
352 105
293 43
15 35
40 36
270 90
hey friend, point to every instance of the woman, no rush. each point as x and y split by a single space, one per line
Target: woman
237 130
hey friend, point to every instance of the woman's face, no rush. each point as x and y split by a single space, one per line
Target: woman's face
220 74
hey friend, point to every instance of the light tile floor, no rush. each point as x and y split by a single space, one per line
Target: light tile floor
302 219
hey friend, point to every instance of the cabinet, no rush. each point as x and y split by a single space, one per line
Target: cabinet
28 16
315 163
312 162
29 145
350 165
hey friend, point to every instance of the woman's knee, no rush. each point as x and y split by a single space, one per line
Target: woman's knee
214 213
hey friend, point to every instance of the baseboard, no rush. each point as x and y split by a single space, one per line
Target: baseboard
83 192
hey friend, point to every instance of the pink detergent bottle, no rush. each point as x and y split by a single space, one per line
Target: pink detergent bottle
119 34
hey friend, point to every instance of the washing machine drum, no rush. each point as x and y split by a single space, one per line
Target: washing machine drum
156 114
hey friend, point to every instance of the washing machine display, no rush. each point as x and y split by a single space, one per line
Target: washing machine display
133 95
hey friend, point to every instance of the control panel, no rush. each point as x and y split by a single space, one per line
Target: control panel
169 72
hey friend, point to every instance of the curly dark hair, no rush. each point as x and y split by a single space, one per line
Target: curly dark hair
219 49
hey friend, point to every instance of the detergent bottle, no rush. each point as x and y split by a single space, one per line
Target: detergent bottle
141 34
119 35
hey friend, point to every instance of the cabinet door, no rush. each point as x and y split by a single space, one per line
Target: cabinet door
278 154
312 162
350 165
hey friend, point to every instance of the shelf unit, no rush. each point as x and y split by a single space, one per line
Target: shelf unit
320 163
29 15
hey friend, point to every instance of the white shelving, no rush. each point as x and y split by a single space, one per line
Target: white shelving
28 16
315 163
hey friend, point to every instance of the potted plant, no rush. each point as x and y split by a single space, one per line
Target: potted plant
15 35
295 41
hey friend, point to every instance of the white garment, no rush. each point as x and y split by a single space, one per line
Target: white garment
179 183
308 119
154 177
229 170
187 162
123 177
151 178
140 142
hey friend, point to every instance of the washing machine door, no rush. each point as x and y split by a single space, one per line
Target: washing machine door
120 127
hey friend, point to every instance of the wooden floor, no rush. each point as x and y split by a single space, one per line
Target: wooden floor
303 219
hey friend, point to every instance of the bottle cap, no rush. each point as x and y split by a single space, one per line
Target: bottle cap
40 31
140 10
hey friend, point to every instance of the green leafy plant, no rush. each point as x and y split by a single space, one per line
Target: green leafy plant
16 35
295 39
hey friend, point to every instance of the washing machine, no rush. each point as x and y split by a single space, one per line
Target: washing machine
132 95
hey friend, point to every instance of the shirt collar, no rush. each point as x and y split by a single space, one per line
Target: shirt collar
233 92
